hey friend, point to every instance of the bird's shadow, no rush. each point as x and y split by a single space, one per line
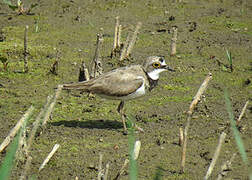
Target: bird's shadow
90 124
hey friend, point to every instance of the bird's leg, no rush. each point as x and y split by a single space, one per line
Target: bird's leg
120 110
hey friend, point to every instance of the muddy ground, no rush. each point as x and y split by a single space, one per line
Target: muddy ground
85 127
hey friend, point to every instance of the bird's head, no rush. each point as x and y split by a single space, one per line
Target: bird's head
154 65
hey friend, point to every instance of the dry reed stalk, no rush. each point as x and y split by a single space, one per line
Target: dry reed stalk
189 113
174 40
106 172
117 39
51 106
226 167
26 168
26 68
31 138
100 170
116 34
119 36
122 169
133 39
83 73
22 144
124 50
97 64
36 124
14 130
216 155
242 113
55 148
181 136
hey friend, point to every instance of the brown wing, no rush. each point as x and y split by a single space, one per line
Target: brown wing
116 84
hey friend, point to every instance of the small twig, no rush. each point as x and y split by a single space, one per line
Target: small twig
174 40
106 172
26 69
55 148
133 39
181 136
242 113
122 169
136 150
97 64
189 113
226 167
100 172
14 131
51 106
216 155
83 73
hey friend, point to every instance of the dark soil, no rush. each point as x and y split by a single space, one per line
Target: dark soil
85 127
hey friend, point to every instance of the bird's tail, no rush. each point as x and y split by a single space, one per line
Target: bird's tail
80 86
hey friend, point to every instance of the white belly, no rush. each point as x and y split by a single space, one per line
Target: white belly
139 92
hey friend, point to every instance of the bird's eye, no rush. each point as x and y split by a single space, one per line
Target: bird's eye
161 60
156 65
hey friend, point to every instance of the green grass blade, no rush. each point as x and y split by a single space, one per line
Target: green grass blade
8 2
8 161
7 164
132 164
159 173
236 133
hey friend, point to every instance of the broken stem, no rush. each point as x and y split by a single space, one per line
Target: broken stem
216 155
97 65
133 39
51 106
242 113
174 40
116 33
83 73
55 148
189 113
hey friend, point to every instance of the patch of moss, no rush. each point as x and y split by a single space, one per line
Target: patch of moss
176 88
165 99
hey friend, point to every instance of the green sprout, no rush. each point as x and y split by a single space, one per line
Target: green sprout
230 60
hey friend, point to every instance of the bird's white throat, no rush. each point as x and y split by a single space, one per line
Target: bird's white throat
154 75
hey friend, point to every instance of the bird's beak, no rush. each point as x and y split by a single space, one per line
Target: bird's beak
168 68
